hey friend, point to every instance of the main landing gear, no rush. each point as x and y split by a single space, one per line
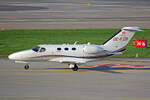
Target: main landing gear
74 67
26 67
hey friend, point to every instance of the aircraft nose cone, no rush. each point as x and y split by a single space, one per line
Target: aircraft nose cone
11 57
14 56
22 55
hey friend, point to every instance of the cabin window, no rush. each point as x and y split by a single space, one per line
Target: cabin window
66 48
36 48
73 48
58 48
42 49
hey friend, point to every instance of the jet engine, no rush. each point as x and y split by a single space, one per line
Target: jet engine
91 49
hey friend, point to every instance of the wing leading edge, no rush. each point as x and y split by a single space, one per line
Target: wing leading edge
72 60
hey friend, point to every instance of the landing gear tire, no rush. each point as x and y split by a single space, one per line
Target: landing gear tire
75 68
26 67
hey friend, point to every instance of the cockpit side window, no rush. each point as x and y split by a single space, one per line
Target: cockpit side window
36 48
42 49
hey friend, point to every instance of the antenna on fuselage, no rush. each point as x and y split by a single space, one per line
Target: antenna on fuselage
88 43
75 42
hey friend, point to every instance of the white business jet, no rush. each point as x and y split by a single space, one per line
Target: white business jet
76 54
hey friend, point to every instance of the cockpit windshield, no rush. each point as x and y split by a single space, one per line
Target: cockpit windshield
36 48
42 49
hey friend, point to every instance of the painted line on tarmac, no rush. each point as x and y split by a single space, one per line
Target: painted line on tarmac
119 66
134 98
37 81
72 97
52 97
86 71
83 2
45 72
131 62
43 82
92 69
86 4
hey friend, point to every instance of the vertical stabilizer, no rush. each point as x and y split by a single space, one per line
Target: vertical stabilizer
120 39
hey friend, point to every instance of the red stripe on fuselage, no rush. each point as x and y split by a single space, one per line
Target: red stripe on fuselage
87 57
72 56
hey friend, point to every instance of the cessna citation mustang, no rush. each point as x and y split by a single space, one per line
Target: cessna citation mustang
76 54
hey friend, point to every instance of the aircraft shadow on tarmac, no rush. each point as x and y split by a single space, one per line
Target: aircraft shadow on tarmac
100 69
108 68
88 69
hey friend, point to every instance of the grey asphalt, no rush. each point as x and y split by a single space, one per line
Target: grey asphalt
51 81
73 14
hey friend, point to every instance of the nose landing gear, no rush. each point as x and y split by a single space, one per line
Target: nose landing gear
26 67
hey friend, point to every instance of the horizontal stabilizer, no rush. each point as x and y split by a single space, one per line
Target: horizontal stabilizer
132 28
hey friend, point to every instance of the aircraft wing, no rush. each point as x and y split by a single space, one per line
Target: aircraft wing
70 60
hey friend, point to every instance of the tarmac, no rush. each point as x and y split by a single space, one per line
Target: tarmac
102 80
73 14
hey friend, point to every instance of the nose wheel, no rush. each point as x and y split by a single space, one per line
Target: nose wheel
26 67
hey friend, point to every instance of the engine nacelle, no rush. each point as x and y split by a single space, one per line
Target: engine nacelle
91 49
